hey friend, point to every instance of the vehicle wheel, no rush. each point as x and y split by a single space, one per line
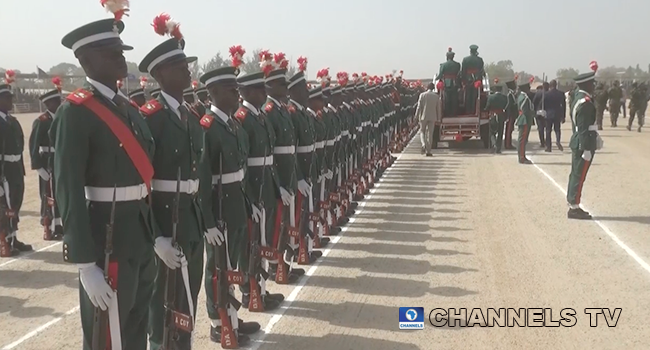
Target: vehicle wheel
485 135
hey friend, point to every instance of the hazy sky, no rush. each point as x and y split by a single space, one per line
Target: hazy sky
353 35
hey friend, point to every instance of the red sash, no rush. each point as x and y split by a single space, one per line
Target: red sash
131 146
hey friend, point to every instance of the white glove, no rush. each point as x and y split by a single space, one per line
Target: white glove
257 214
329 174
92 279
541 112
304 188
167 253
586 155
286 197
43 174
599 142
320 178
214 236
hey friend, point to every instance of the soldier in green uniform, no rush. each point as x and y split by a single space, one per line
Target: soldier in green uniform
449 76
511 112
137 96
179 143
472 74
307 172
202 100
41 151
525 121
225 151
12 173
155 93
261 183
614 95
188 96
103 159
496 106
600 97
584 142
638 105
284 156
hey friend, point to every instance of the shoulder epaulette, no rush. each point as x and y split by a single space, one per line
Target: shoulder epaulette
587 99
241 114
151 107
79 96
291 108
268 106
44 117
206 121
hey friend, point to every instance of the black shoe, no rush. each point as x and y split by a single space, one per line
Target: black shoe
298 271
336 230
248 327
429 155
548 150
279 297
525 161
578 214
324 241
422 151
559 146
498 151
316 254
353 205
22 246
242 340
639 129
629 128
268 303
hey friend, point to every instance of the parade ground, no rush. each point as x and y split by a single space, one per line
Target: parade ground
462 229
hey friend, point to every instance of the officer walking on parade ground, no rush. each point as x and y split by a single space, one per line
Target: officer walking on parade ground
584 141
638 105
12 176
525 121
103 176
496 106
512 111
41 150
225 153
429 113
615 94
178 141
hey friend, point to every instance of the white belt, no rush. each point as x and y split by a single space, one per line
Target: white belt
261 161
44 149
359 128
187 186
320 145
593 127
338 137
284 150
376 125
305 149
122 194
365 124
397 104
354 137
330 142
345 133
11 157
229 178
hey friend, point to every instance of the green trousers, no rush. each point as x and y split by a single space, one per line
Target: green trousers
237 243
135 283
497 123
522 141
451 101
579 169
471 94
194 255
271 219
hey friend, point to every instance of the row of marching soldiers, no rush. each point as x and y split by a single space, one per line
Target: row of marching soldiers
259 180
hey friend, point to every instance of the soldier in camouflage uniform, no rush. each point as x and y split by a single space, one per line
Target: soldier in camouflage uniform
638 105
614 95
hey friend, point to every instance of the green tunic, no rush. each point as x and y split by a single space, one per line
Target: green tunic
496 105
584 138
524 122
41 152
448 74
471 71
285 133
305 139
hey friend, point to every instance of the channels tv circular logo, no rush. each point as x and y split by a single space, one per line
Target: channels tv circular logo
411 314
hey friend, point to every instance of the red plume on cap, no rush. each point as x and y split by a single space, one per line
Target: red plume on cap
342 78
593 65
516 77
531 79
280 60
237 55
302 63
496 80
323 76
401 72
355 76
57 83
164 25
118 8
10 76
143 81
266 62
119 84
195 84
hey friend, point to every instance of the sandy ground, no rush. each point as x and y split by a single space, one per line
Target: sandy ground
462 229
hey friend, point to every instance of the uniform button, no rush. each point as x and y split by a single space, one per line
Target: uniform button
121 145
194 169
65 257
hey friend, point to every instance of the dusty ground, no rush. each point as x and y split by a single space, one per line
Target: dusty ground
462 229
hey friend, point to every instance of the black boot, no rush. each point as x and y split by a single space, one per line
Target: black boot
268 303
21 246
578 214
242 340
